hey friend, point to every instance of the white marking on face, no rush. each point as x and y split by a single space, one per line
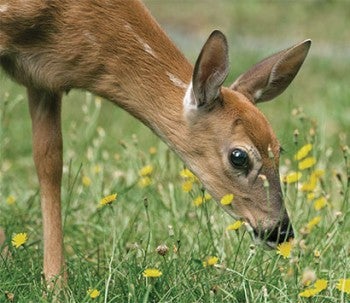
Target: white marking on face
178 82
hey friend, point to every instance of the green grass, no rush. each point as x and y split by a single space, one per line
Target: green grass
108 248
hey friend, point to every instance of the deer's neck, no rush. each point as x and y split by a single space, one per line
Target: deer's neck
146 74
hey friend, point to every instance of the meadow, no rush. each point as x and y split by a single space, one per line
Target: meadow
140 228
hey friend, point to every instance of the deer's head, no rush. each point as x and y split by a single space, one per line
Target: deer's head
234 149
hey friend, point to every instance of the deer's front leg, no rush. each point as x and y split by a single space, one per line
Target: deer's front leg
45 111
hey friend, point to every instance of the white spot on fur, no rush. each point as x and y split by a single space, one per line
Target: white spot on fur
189 101
3 8
176 80
258 94
147 48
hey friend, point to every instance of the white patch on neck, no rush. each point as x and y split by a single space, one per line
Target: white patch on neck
3 8
146 47
177 82
189 101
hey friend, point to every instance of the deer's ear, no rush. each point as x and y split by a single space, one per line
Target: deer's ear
270 77
209 73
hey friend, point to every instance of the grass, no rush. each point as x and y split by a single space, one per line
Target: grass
108 248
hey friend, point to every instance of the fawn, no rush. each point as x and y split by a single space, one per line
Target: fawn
116 50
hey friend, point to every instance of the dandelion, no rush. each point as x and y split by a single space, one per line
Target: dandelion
313 222
10 200
318 286
292 177
210 261
108 199
308 293
187 186
93 293
96 169
343 285
307 163
188 175
321 284
199 200
19 239
303 152
320 203
86 181
284 249
152 273
227 199
311 184
310 196
144 182
152 150
146 171
235 226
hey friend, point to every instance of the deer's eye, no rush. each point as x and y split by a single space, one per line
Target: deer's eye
239 158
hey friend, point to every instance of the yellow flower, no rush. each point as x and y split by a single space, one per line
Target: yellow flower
188 175
311 184
321 284
96 169
284 249
320 203
292 177
10 200
19 239
343 285
318 286
310 196
187 186
317 253
235 225
93 293
227 199
108 199
86 181
307 163
152 273
199 200
313 222
152 150
146 171
210 261
144 182
303 152
308 293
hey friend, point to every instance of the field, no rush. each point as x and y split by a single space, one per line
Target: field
156 222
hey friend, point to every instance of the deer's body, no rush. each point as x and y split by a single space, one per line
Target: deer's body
116 50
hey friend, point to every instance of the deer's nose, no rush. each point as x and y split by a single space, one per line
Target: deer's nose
281 233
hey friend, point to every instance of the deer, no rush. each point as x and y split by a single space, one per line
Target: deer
116 50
